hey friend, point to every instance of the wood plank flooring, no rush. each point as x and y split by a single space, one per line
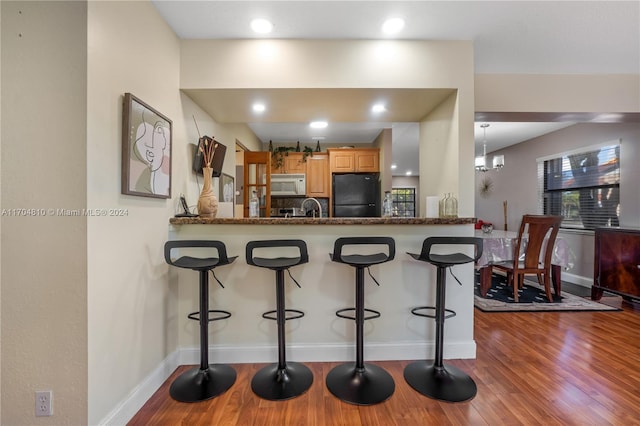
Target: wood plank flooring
547 368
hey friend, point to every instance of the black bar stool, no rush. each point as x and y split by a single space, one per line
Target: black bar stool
208 380
435 379
283 380
361 383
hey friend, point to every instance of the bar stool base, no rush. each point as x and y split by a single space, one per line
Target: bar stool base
277 384
446 383
199 385
361 386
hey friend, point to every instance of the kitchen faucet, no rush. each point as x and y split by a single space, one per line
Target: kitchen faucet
314 212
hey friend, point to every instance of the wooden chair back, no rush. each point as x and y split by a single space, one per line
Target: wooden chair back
537 231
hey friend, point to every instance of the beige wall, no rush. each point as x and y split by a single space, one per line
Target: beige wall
383 142
438 149
132 303
44 262
557 93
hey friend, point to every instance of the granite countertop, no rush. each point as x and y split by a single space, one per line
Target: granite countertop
322 221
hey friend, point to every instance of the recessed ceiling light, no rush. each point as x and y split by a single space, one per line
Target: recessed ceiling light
409 173
261 26
318 124
259 107
393 25
378 108
394 166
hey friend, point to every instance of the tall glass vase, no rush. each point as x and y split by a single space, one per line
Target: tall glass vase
207 202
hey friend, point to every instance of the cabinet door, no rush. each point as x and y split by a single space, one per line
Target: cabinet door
618 261
342 161
293 163
257 177
318 176
367 161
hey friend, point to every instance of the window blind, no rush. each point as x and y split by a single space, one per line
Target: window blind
582 186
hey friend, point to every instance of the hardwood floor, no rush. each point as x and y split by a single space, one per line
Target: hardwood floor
547 368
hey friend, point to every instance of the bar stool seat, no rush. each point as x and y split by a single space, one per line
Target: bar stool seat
433 378
361 383
283 380
208 380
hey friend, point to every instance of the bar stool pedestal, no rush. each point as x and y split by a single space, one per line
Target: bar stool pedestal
361 383
433 378
284 380
208 380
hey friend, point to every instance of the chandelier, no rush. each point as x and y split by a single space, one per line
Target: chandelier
481 162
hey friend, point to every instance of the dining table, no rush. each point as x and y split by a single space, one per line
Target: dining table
499 246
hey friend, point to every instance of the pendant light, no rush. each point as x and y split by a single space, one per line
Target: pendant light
481 162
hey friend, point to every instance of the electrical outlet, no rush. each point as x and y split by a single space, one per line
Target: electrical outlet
44 403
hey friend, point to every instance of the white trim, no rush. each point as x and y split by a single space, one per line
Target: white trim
577 279
329 352
129 406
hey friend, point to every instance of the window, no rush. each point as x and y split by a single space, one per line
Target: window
583 186
404 202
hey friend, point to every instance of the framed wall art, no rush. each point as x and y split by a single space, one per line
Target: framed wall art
227 191
146 150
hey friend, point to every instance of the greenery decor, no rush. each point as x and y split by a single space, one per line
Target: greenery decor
278 154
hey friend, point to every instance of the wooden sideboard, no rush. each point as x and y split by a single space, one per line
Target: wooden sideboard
616 263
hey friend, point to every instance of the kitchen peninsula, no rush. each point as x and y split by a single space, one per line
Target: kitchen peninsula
326 286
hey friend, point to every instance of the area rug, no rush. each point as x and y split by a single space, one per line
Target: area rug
532 298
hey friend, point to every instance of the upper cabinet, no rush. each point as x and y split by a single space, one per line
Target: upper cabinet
358 160
289 162
318 183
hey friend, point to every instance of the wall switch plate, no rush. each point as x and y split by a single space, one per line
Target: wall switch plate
44 403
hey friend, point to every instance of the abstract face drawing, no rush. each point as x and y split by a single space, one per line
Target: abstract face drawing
151 141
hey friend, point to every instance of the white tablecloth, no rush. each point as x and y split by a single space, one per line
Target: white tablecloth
499 246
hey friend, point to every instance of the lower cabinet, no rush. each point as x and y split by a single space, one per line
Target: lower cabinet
616 263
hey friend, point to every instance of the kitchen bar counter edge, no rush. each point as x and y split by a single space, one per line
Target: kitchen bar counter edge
322 221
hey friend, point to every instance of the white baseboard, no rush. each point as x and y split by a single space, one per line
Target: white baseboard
577 279
328 352
127 408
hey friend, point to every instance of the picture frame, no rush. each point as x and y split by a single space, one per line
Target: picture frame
146 149
227 189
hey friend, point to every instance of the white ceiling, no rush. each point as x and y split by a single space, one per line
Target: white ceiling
548 37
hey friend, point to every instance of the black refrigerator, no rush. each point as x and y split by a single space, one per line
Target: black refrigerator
356 195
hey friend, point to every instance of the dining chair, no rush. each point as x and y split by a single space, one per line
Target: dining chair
537 233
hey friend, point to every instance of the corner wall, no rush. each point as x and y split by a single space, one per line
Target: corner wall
43 168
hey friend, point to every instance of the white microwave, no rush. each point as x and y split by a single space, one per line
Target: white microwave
288 184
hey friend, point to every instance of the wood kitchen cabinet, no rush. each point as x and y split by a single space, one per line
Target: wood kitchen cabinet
318 183
354 160
616 263
291 163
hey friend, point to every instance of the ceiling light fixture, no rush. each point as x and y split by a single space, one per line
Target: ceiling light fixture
318 124
394 166
378 108
259 107
261 26
481 162
393 25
